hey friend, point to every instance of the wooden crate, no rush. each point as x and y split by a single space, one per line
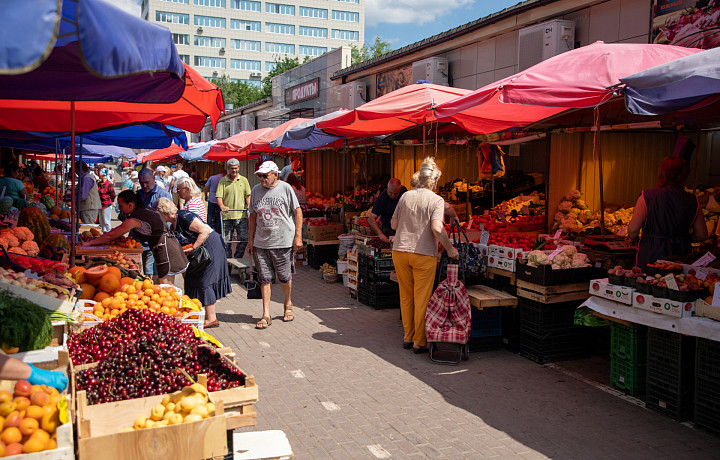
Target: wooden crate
486 297
552 294
491 273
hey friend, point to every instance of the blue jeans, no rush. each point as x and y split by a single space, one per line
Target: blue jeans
148 260
238 228
214 217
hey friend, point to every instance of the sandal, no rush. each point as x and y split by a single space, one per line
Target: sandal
264 323
289 315
209 324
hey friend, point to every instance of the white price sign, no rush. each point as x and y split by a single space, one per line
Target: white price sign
555 252
485 237
558 234
716 296
701 273
704 260
670 281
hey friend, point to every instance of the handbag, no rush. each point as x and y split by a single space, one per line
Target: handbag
252 284
471 260
199 259
170 258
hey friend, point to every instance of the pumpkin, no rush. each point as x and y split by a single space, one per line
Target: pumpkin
93 274
56 210
35 220
56 240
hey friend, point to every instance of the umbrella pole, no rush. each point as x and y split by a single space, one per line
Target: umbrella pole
73 208
468 210
344 173
600 170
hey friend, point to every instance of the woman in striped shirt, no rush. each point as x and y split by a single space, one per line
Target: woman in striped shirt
188 191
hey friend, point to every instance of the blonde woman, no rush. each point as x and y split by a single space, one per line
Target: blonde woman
189 192
419 226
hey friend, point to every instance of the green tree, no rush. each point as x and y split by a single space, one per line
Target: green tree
237 93
281 66
369 51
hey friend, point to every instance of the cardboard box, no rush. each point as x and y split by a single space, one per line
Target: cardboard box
483 248
602 288
322 232
502 263
663 306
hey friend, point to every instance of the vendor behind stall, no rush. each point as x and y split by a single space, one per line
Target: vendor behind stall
670 218
384 207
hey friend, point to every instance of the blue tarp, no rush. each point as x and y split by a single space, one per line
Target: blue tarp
306 136
675 85
85 50
196 151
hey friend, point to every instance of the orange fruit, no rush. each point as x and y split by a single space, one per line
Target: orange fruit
165 310
28 426
109 282
100 296
156 289
155 297
148 292
88 291
127 280
138 285
116 271
147 284
114 312
78 273
107 301
11 435
34 411
145 299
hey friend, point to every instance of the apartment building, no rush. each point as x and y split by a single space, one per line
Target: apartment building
244 38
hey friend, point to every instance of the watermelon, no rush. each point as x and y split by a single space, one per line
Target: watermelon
48 201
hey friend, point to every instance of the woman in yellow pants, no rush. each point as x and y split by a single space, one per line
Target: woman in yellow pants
418 222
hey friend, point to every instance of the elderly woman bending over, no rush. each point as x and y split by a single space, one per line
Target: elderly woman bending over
419 226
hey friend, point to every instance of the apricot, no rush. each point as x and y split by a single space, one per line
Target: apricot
23 388
40 398
2 424
22 403
11 435
5 396
7 407
51 444
50 421
35 412
13 419
2 448
14 448
34 445
28 426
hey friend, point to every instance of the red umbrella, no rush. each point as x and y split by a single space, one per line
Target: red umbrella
160 154
200 99
233 146
403 108
580 78
262 142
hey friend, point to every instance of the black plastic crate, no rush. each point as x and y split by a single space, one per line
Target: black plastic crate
491 343
598 340
486 322
540 319
378 301
670 374
629 342
628 376
707 359
511 329
378 276
380 264
319 255
707 404
554 346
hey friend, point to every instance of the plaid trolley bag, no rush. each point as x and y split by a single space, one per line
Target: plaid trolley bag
447 319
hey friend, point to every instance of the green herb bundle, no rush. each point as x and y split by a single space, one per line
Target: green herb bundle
23 324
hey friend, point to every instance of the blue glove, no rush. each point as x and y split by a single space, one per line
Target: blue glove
52 378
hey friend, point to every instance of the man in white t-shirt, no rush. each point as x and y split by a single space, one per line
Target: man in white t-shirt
172 186
214 215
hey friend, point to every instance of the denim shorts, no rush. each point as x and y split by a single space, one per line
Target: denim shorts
271 262
148 261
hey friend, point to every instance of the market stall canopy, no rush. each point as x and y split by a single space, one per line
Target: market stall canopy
196 151
584 77
140 136
85 50
687 82
262 142
89 158
232 146
306 135
393 112
160 155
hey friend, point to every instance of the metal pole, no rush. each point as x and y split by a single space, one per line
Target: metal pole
468 210
344 173
547 182
73 207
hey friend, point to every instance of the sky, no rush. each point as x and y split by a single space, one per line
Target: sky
403 22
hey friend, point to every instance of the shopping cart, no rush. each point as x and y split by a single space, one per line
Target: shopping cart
241 265
448 320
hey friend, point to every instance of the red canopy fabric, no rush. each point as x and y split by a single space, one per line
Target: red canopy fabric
234 145
160 154
262 142
580 78
393 112
201 99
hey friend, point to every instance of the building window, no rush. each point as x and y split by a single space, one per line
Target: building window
215 3
185 58
270 66
174 18
306 31
240 24
176 1
274 28
348 1
255 83
245 5
346 34
244 64
319 13
209 42
347 16
213 62
210 21
246 45
283 48
279 8
181 39
312 50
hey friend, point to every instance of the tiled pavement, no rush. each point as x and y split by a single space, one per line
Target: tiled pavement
338 383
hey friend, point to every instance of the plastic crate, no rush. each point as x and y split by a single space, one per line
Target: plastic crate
540 319
511 329
379 276
380 289
628 376
378 301
707 359
670 376
486 322
321 254
380 264
707 404
598 340
629 343
554 346
485 343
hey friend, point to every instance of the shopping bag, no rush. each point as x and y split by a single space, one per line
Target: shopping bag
252 284
199 259
471 261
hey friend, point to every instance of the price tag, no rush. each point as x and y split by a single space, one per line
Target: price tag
558 234
470 223
701 273
485 237
704 260
716 296
555 252
670 281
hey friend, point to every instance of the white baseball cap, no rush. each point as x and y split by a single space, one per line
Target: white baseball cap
134 175
267 167
161 169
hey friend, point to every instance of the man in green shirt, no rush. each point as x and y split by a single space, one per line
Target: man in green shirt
233 192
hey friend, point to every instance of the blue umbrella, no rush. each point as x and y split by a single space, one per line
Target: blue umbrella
675 85
85 50
306 136
196 151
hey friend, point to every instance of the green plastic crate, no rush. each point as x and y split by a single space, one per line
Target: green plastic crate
629 343
628 376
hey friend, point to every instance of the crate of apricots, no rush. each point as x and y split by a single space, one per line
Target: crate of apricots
106 294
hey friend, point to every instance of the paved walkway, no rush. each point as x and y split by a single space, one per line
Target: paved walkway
339 384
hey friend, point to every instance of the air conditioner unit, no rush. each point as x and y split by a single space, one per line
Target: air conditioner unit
200 30
206 134
234 125
433 69
543 41
255 75
352 95
215 73
247 122
222 50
